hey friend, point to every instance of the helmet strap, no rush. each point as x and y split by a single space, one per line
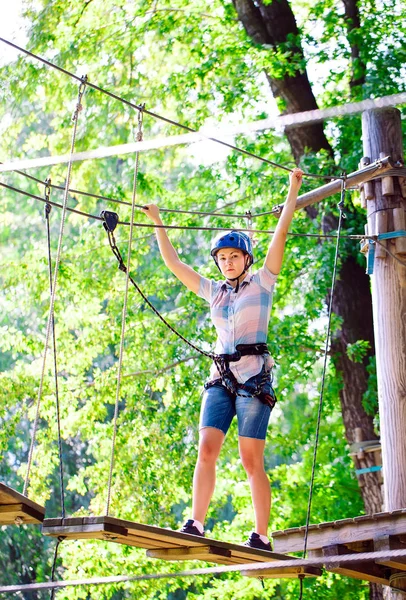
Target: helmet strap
237 279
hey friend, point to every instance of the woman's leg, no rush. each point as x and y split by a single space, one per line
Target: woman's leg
252 457
204 478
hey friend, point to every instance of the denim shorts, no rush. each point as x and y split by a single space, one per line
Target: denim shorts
219 407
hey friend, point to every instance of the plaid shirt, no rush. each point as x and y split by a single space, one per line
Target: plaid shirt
241 318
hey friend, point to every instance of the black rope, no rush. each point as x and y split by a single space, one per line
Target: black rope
183 227
159 117
122 267
53 590
316 442
48 209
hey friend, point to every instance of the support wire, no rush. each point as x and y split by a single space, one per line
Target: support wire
320 405
124 315
48 208
75 117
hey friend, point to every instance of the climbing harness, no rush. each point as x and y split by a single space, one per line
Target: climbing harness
228 379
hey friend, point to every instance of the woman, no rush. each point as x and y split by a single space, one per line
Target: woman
240 381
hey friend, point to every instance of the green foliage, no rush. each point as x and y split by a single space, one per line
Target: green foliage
191 62
357 351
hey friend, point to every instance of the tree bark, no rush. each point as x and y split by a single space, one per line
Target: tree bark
273 25
356 325
353 23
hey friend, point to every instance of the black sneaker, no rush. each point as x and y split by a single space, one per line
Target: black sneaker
189 527
254 541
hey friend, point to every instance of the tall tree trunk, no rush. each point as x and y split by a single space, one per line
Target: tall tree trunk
353 23
271 25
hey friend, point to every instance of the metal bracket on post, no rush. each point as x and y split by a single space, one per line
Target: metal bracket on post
368 248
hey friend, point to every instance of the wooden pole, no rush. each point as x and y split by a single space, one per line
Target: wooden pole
365 173
381 130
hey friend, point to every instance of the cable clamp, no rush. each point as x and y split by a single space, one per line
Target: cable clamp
140 122
340 205
81 91
47 195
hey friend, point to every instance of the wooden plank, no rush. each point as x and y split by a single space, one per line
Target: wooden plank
15 508
346 531
207 553
368 571
283 572
150 537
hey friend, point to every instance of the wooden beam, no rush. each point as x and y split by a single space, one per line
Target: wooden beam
284 572
161 541
382 132
17 509
391 542
346 531
368 571
384 165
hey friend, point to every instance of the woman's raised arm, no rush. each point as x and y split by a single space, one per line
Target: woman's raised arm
274 257
181 270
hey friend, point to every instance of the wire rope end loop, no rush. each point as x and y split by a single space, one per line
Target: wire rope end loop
140 122
83 81
340 205
47 194
81 91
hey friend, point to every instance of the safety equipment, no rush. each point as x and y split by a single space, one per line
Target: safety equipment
233 239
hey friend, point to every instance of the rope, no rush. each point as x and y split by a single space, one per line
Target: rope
122 267
75 117
48 208
160 117
52 595
186 227
330 562
124 315
288 120
213 213
316 442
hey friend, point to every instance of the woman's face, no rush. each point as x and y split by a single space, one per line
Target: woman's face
231 262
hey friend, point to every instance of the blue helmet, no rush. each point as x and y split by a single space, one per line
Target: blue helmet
233 239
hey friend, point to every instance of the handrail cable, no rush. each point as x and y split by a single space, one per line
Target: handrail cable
323 561
185 227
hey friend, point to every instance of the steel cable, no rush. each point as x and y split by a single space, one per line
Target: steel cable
75 118
160 117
